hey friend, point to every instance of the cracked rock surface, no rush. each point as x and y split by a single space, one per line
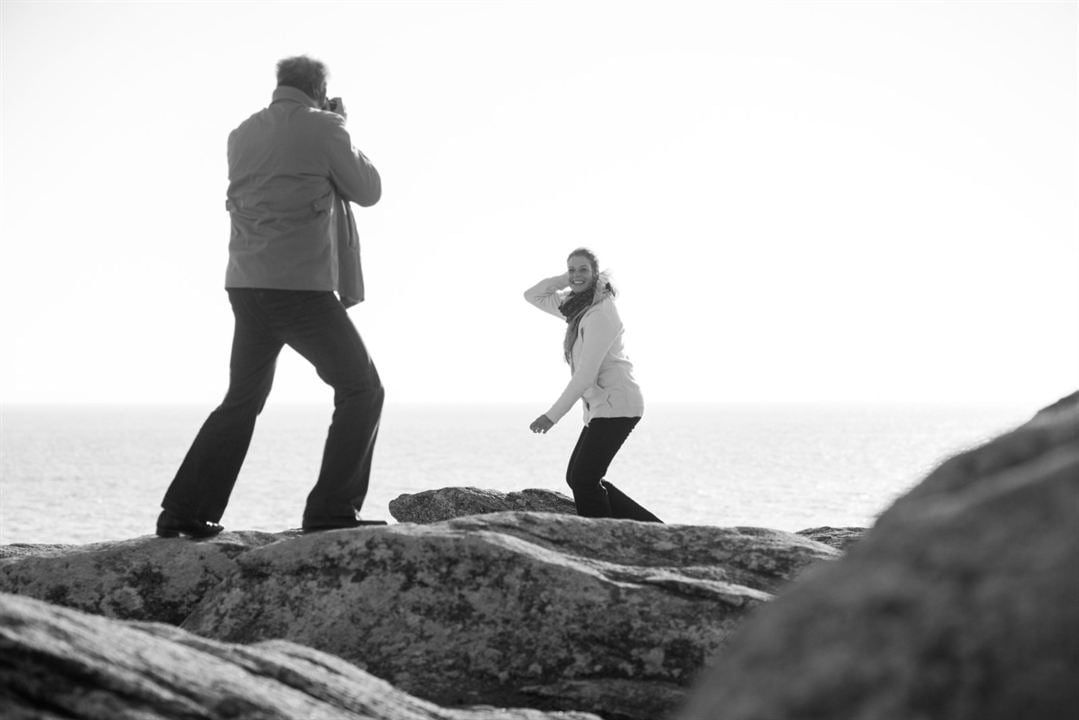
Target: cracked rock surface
145 578
57 664
514 609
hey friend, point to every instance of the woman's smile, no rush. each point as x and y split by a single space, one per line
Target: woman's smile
579 274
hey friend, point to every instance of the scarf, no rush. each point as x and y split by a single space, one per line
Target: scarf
573 309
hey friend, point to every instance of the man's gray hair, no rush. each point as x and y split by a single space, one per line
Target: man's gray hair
303 73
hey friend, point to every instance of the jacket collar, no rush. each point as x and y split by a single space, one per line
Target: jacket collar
286 93
603 292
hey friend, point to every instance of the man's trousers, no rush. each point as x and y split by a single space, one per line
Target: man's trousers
314 324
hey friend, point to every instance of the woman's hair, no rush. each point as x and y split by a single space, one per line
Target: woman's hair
303 73
594 262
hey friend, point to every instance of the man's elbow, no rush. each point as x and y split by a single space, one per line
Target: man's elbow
372 196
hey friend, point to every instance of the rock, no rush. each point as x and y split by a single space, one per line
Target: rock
453 502
147 578
1063 407
960 603
549 611
840 538
758 558
59 663
24 550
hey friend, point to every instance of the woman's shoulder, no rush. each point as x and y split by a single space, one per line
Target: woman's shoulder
603 307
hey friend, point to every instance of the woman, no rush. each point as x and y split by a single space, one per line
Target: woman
602 379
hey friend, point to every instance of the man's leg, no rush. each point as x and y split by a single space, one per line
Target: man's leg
202 486
322 332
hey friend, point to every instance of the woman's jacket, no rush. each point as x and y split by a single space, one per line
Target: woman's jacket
602 374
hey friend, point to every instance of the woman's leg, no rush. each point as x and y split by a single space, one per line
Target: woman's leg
591 500
596 447
623 506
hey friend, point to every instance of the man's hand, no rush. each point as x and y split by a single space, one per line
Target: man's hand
337 105
541 424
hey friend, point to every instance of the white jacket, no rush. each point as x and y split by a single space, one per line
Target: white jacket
602 374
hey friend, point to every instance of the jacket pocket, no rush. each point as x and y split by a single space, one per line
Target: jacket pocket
597 397
322 205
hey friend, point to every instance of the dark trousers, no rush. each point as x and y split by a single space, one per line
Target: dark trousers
315 324
597 445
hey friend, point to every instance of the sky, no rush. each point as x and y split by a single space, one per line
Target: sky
799 202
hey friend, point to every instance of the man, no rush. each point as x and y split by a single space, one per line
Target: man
292 173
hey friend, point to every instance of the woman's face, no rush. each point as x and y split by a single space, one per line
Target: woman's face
580 274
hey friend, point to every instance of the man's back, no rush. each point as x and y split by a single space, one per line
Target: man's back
288 165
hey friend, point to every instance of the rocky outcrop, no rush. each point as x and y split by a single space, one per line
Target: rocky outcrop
57 663
453 502
544 610
16 551
960 603
541 610
146 578
841 538
1064 407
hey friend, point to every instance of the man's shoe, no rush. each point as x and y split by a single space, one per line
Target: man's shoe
342 524
170 526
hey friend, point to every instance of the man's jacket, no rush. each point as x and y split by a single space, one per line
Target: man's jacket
292 173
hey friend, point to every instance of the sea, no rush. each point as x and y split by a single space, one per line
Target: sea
92 473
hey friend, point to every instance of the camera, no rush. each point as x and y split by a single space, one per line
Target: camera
333 105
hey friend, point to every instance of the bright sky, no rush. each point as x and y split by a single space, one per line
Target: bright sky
808 201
